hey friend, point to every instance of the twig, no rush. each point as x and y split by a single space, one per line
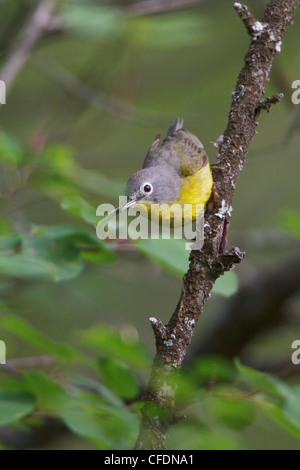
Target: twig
267 102
12 367
249 21
150 7
39 23
94 97
207 265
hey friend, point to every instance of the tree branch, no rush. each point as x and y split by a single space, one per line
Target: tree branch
93 97
172 341
150 7
40 23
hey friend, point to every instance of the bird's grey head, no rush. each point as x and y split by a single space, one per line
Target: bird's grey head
157 184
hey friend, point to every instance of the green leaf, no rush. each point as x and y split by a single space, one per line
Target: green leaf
278 415
196 437
261 382
85 413
15 405
50 395
19 266
10 149
109 427
75 234
55 172
169 254
79 238
234 413
118 377
279 401
99 21
60 258
42 256
291 406
3 304
109 341
186 389
23 330
216 368
172 256
60 158
99 388
226 285
290 220
9 242
5 224
120 411
99 257
79 207
86 424
168 31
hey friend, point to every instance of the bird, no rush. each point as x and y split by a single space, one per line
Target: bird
175 182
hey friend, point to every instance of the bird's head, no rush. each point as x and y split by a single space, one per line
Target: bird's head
157 184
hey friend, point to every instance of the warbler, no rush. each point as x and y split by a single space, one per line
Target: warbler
176 175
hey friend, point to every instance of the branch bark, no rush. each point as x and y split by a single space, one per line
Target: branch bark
172 340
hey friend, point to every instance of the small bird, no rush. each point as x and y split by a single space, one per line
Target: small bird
176 171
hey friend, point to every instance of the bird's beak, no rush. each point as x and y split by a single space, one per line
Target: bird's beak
129 203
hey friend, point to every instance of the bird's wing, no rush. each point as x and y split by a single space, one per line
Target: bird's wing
181 149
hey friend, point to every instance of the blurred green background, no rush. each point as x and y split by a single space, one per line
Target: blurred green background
94 91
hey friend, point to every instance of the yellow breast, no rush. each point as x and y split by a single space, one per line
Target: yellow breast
196 190
194 194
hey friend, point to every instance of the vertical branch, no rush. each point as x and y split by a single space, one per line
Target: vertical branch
172 340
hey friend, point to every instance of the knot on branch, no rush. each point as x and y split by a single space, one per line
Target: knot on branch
230 258
267 102
212 266
223 262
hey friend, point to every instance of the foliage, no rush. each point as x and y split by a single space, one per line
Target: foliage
97 375
58 251
290 221
213 393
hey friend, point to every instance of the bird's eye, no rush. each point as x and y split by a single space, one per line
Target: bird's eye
147 187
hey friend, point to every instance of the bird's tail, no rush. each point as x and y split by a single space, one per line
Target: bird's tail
175 127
